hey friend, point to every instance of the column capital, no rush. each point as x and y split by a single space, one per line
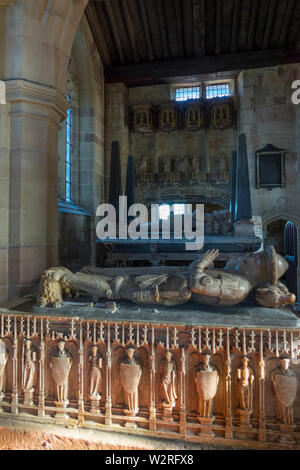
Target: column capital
46 99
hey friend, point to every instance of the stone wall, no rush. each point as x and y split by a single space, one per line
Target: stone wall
268 116
77 233
212 148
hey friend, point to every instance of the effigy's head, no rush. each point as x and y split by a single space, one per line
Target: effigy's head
260 267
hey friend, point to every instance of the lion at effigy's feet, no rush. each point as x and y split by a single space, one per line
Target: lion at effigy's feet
53 287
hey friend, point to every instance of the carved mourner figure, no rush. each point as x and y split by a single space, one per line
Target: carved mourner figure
168 381
130 374
95 377
201 283
207 379
285 384
244 391
245 381
3 361
60 365
29 371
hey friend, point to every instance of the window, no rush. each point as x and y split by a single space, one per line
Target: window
217 90
187 93
165 209
68 157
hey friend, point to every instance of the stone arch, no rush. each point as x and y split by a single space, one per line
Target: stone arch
286 214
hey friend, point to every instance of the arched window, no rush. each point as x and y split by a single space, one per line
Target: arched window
69 151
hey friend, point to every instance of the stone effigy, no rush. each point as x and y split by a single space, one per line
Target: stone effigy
201 283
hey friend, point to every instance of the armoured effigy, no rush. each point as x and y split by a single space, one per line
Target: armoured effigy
201 283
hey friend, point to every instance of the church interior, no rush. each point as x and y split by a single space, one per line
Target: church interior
112 342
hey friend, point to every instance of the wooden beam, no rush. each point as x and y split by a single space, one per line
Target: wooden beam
178 15
130 29
270 21
235 25
93 20
252 25
188 30
218 30
199 27
146 30
163 29
176 70
115 31
286 23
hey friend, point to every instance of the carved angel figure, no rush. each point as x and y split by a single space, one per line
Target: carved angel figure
29 366
60 365
207 380
200 283
169 380
3 361
95 373
244 385
130 374
285 385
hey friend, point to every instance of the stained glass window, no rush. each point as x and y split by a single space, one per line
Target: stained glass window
68 160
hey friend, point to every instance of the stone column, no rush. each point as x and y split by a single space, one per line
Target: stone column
35 114
116 125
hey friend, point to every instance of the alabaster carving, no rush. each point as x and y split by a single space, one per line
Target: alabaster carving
95 375
285 385
194 116
207 380
60 364
244 386
3 361
221 114
168 117
200 283
130 375
168 380
143 119
29 370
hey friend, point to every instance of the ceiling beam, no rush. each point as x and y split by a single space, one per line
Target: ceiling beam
270 21
286 23
130 29
168 71
235 25
163 29
93 20
146 30
115 30
219 14
199 27
252 26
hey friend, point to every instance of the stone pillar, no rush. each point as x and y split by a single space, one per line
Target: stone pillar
116 126
4 191
35 114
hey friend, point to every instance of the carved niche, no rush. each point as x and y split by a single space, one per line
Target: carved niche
3 361
221 114
194 116
130 375
207 380
60 365
285 384
169 117
143 119
29 371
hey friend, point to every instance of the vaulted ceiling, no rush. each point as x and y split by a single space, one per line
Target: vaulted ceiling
155 41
